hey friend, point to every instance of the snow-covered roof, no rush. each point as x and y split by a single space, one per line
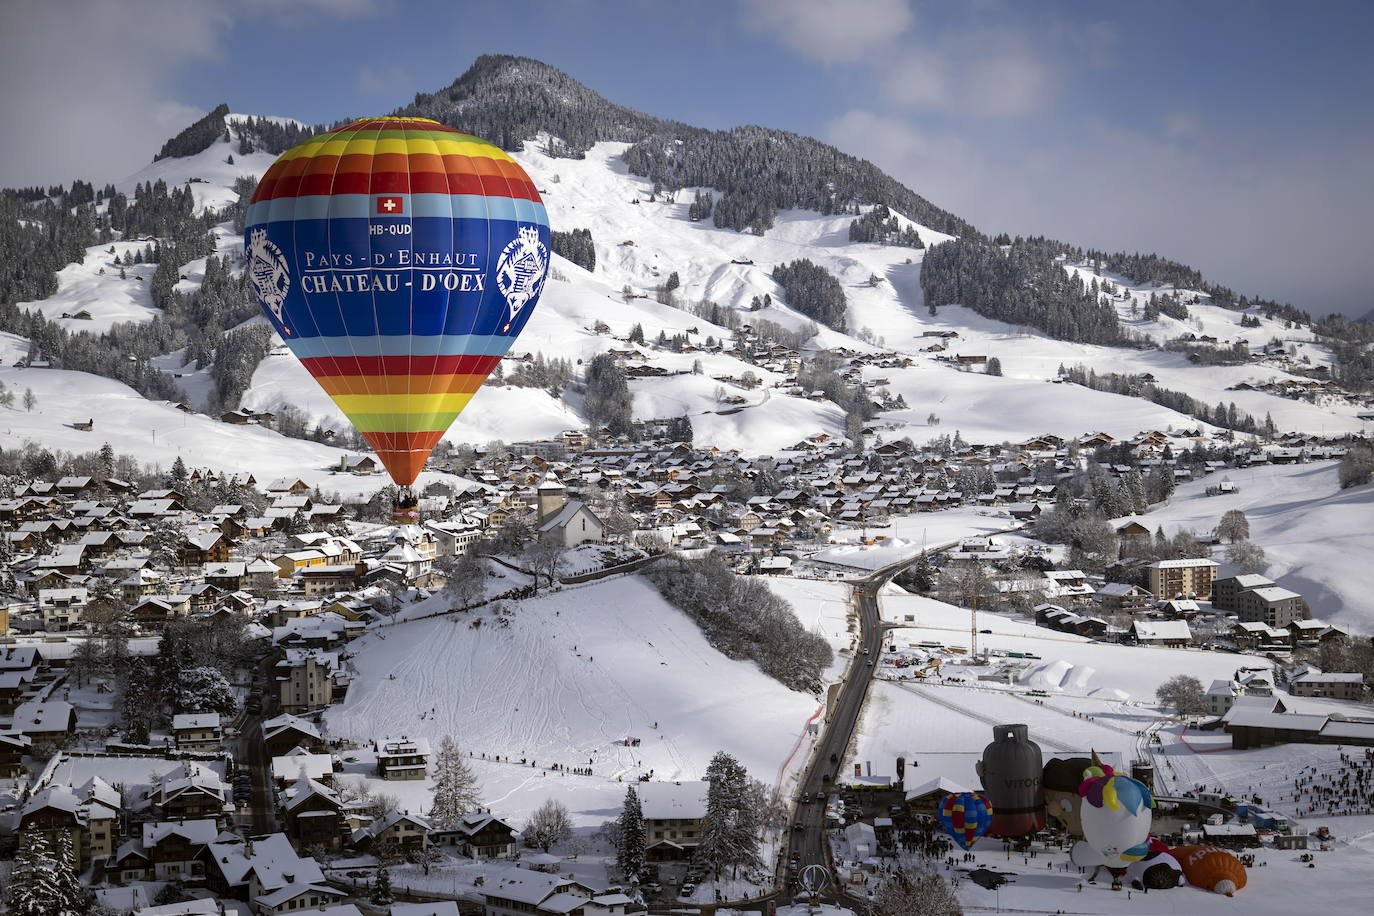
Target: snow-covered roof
195 720
677 800
199 832
1187 563
289 767
1161 629
938 784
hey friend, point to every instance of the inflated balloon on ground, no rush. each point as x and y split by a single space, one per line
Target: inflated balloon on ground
965 816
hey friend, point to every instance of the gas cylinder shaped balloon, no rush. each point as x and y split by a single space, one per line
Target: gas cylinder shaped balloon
398 259
965 816
1116 813
1211 868
1011 771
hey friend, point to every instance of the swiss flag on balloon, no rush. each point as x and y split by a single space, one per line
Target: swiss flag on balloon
390 206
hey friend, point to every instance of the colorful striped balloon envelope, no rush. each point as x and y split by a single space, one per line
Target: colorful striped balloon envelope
399 259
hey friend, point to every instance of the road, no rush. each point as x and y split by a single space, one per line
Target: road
807 829
261 815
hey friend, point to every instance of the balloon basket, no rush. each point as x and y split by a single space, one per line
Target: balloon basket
405 509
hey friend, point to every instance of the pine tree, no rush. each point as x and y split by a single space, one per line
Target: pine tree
70 896
33 889
727 838
455 787
381 888
633 839
179 472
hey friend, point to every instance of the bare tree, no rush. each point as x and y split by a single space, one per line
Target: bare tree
1234 526
912 892
464 579
543 556
550 825
1184 693
1247 556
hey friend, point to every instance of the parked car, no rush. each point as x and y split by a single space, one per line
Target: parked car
687 890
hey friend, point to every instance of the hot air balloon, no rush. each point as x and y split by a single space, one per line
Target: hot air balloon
398 259
1210 868
1011 770
1116 815
965 817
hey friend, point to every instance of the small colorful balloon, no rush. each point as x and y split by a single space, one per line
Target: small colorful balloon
965 816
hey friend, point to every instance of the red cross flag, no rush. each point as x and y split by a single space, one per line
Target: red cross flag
390 206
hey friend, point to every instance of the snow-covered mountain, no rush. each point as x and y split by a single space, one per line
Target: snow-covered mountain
643 235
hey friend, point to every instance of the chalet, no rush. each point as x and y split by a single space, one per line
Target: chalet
286 732
522 892
267 873
1336 685
1121 598
314 815
198 731
172 848
361 465
54 812
159 610
44 720
1170 633
479 835
203 547
394 834
188 792
292 485
402 758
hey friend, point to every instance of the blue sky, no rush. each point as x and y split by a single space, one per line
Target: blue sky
1235 136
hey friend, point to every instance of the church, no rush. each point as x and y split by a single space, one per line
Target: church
567 522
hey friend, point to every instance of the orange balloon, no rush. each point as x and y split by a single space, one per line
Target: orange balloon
1210 868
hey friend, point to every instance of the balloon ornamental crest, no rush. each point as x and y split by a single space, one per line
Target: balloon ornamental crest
268 271
520 273
399 259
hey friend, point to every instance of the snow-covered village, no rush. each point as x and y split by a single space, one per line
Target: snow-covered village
675 535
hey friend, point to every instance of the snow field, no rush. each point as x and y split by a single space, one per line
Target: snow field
574 675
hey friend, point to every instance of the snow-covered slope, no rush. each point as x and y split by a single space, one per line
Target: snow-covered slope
1316 536
563 684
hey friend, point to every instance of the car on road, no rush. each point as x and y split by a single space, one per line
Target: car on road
797 825
653 887
820 796
984 631
870 663
866 650
806 798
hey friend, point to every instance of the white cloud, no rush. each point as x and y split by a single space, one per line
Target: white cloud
830 31
86 84
89 86
986 72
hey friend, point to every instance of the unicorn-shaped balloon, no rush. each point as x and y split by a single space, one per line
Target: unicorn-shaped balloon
1116 812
